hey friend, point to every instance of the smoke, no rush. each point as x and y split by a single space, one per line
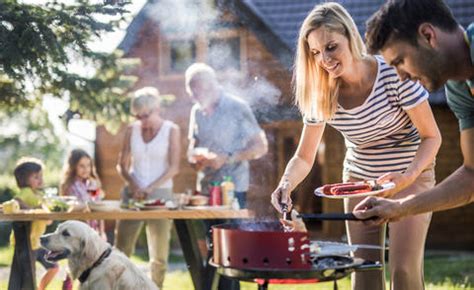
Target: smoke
197 21
257 91
184 18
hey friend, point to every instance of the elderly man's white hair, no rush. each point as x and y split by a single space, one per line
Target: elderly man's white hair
199 71
146 98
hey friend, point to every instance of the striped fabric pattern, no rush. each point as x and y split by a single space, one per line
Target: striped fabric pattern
379 135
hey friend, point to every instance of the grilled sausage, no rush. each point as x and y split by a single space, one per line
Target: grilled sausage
350 189
327 188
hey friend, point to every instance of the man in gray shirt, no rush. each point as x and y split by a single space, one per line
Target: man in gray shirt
226 127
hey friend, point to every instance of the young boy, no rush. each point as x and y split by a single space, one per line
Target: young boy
29 178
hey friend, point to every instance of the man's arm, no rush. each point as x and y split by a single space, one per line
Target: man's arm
455 191
256 148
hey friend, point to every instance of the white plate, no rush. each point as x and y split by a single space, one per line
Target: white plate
168 205
207 207
104 205
385 187
141 206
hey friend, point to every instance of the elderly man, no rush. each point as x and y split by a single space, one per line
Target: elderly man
226 126
423 41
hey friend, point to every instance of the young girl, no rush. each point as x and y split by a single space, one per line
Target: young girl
389 130
29 178
81 180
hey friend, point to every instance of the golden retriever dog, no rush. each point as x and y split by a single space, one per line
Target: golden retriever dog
92 260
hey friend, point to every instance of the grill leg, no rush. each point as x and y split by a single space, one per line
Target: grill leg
263 286
335 284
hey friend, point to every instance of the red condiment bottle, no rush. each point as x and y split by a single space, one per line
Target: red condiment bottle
215 194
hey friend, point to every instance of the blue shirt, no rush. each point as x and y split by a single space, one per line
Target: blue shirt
226 131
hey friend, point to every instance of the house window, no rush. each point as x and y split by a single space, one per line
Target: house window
183 54
224 53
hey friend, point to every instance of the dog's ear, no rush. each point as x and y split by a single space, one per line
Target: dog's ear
91 246
83 246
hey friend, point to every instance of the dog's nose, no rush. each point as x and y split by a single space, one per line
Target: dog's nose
44 240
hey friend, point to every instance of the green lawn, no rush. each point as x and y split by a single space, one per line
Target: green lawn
443 271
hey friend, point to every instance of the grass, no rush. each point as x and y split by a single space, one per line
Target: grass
443 271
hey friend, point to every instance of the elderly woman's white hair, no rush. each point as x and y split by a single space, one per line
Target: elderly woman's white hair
199 71
146 98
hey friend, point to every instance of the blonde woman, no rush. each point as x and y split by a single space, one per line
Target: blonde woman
389 131
148 162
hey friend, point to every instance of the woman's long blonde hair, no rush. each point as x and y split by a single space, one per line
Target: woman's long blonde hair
316 94
70 174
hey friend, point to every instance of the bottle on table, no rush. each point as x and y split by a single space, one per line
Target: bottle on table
215 194
228 190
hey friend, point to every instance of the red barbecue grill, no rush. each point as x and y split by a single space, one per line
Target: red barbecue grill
264 253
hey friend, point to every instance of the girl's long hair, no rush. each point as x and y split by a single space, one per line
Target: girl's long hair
70 174
316 94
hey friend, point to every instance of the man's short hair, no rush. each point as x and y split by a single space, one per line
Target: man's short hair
199 70
401 18
24 168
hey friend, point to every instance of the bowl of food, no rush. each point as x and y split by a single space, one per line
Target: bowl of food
198 200
60 203
104 205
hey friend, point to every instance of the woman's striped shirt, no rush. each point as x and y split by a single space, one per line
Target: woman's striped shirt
379 135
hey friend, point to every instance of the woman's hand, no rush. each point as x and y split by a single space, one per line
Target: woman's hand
281 195
295 225
133 188
401 180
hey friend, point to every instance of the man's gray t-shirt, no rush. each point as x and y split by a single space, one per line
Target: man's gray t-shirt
226 131
460 94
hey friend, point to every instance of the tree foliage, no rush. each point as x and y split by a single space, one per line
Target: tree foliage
29 133
39 44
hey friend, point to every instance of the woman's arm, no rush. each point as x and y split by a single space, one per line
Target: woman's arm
423 119
299 165
124 163
174 153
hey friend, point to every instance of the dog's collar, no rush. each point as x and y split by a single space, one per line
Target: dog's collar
87 272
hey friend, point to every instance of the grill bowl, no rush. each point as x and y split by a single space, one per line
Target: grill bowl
259 245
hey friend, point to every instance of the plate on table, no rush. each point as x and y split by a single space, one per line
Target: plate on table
104 205
353 189
207 207
155 205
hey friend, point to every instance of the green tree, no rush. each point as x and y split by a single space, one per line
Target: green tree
29 133
38 44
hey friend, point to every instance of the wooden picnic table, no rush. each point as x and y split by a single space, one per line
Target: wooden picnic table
22 274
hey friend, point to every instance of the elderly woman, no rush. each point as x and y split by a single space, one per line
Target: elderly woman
148 161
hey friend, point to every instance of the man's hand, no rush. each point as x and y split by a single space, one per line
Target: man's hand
216 161
378 210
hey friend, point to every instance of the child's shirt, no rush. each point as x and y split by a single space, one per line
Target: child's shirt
38 228
29 197
79 190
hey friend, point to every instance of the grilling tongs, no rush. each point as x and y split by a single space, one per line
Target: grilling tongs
332 217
